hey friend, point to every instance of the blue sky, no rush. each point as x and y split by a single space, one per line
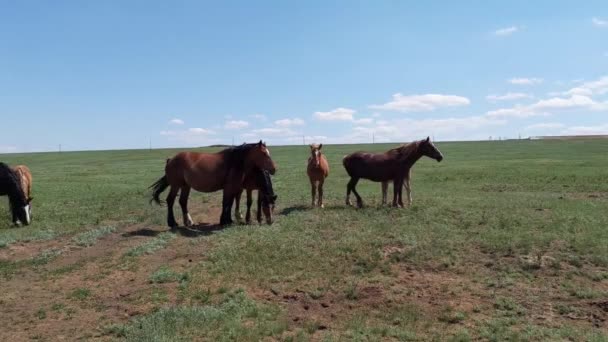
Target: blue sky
115 74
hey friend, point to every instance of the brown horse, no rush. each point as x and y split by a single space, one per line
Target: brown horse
406 185
257 180
393 165
210 172
25 178
317 170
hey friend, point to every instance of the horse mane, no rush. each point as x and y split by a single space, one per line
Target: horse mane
10 184
236 155
264 182
403 151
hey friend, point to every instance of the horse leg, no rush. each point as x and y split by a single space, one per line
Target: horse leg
313 191
237 207
349 188
321 193
249 202
352 187
227 199
384 191
397 184
170 201
183 202
408 190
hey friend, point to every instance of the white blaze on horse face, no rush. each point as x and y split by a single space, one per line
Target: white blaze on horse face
27 214
267 152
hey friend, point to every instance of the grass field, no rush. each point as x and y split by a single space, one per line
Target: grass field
505 241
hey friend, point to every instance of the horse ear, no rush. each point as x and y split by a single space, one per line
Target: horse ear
428 139
29 200
320 145
260 143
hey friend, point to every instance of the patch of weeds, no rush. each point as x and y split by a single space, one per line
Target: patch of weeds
584 293
202 297
508 306
599 276
8 268
117 330
575 261
352 292
80 294
149 247
41 314
318 293
163 275
159 296
236 317
461 336
450 316
311 326
564 309
89 238
58 307
66 269
45 256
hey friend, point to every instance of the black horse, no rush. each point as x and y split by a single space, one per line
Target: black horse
11 187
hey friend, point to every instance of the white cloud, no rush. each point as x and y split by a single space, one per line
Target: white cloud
409 129
236 124
599 22
272 131
363 121
544 126
419 103
309 139
598 87
193 136
525 81
260 117
338 114
289 122
176 121
507 31
508 97
543 107
586 130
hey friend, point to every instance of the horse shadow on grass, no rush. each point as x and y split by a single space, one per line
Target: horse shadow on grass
203 229
302 208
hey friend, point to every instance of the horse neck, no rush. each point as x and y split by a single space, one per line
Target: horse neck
15 194
411 159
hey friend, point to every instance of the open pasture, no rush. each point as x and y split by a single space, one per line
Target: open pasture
504 241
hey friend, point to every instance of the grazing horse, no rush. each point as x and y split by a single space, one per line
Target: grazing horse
210 172
317 170
25 178
11 186
257 180
393 165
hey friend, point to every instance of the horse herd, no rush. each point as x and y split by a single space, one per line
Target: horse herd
247 167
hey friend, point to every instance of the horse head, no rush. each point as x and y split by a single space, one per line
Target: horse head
259 155
315 151
427 148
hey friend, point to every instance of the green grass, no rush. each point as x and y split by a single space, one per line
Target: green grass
502 218
88 238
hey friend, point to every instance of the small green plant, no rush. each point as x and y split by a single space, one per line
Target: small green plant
164 275
46 256
80 294
149 247
89 238
351 292
41 313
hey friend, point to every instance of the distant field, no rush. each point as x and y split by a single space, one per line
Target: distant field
505 241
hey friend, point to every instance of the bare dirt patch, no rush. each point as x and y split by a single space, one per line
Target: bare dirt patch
84 290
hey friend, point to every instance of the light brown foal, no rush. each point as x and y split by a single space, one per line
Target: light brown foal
318 170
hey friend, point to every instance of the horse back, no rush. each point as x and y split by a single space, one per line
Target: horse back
378 167
205 172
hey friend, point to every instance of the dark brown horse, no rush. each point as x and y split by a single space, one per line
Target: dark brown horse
257 180
392 165
407 185
317 170
210 172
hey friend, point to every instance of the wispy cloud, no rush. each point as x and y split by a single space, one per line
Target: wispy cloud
421 103
508 97
236 124
176 121
544 126
546 106
507 31
261 117
338 114
525 81
194 135
597 22
289 122
586 130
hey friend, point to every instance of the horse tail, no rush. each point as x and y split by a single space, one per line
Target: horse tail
157 188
